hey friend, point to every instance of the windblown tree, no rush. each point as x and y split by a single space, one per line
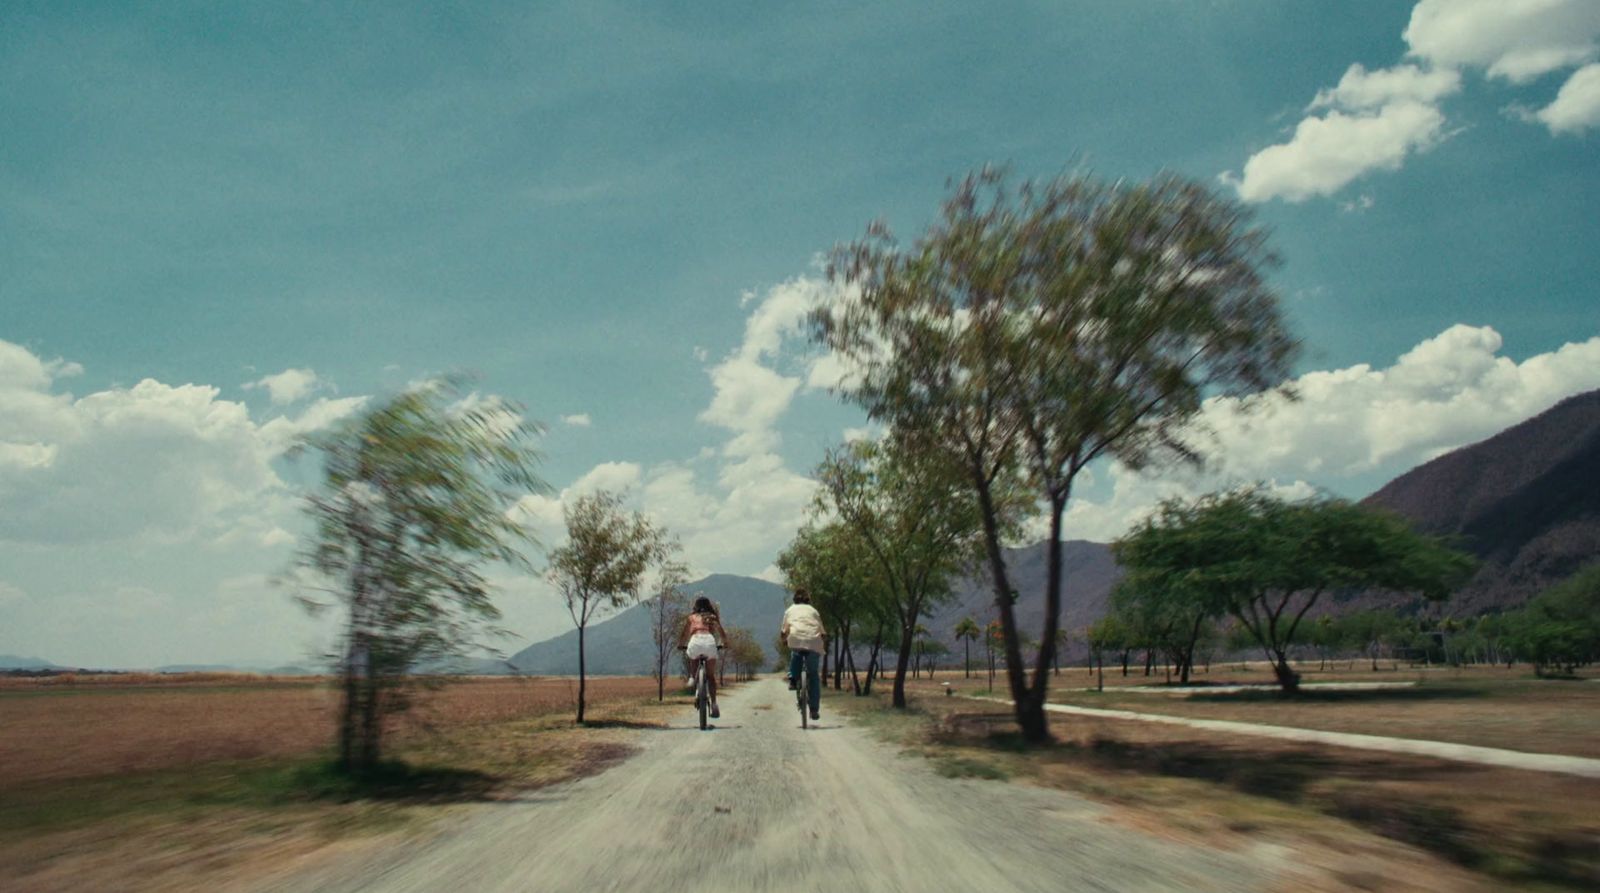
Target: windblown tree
847 588
1266 561
1157 612
411 510
913 513
602 566
668 608
1031 332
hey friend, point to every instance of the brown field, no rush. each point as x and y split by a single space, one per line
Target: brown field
1513 826
52 730
1484 706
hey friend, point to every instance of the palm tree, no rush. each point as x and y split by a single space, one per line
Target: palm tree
967 631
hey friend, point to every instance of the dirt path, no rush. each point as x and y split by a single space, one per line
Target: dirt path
758 804
1586 767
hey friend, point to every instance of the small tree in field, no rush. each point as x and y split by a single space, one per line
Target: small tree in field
1266 561
603 563
667 611
412 507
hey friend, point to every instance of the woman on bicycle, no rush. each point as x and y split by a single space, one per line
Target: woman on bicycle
702 631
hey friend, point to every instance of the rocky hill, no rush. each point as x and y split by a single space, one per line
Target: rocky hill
1525 502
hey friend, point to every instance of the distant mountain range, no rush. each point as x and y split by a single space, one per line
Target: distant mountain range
1525 502
13 662
622 645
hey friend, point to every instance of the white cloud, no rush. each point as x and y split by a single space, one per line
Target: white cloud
577 420
1577 107
1376 119
1362 89
10 595
287 386
1356 423
151 461
1327 153
1517 40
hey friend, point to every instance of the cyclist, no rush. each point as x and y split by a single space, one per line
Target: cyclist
803 633
702 633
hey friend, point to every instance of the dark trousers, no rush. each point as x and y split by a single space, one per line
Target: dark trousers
813 670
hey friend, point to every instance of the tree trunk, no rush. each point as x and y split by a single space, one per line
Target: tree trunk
902 661
1287 678
968 661
581 677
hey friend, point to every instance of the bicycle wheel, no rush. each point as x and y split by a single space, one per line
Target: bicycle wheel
701 698
800 694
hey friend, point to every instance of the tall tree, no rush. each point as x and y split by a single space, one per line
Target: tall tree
602 565
846 584
1032 331
967 632
915 517
411 508
1266 562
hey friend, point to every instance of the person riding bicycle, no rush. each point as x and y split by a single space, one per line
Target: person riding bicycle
803 633
702 633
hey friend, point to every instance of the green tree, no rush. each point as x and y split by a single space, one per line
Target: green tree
1560 628
846 584
1158 613
602 565
1266 562
412 506
967 632
916 519
1031 332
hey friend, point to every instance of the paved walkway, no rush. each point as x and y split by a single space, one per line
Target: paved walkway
1468 753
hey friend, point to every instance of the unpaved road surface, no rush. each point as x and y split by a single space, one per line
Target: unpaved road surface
759 804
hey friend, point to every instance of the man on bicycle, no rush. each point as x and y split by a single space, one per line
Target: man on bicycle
802 632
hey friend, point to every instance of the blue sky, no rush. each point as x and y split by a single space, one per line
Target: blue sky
221 227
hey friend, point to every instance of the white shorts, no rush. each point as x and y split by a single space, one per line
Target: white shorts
702 645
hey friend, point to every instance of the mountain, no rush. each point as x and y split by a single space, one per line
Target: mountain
621 645
13 662
1525 502
1088 573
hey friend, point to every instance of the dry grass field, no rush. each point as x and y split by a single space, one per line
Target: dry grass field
1531 830
58 728
211 781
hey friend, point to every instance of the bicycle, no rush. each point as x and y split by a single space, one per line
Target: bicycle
702 692
702 688
801 690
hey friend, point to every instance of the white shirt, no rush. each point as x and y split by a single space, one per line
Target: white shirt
804 626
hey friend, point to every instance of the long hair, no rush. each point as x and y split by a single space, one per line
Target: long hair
703 605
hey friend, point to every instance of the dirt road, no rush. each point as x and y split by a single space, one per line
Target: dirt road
758 804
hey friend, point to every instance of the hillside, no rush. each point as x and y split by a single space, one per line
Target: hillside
622 645
13 662
1525 502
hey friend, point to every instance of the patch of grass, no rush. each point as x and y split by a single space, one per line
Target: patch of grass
969 767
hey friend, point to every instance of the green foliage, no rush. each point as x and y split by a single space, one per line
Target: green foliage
1560 628
412 506
1032 331
1266 561
911 510
602 565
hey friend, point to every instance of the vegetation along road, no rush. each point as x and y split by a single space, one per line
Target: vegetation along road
759 804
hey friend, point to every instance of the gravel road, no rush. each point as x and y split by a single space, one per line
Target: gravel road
759 804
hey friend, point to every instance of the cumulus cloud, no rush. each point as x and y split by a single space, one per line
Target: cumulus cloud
1375 120
577 420
287 386
169 462
1577 107
1354 423
1517 40
1328 152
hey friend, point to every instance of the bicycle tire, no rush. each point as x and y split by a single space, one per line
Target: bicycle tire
700 696
804 686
